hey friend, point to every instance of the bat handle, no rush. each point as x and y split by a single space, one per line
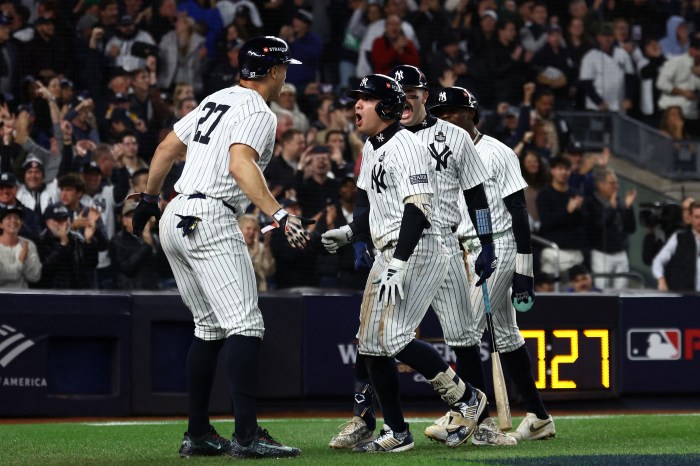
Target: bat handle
487 298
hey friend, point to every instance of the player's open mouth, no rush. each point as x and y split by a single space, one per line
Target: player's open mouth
406 111
358 119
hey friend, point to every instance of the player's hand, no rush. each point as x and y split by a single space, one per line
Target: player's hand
293 227
391 282
147 208
485 263
363 258
523 294
335 239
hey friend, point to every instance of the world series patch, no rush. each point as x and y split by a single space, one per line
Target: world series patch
417 179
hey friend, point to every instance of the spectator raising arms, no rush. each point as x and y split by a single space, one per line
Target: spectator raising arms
19 260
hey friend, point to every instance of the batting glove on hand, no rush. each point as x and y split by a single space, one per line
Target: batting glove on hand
147 208
335 239
363 258
391 282
485 263
523 294
293 227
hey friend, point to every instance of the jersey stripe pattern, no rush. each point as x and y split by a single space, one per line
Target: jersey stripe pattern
456 164
504 179
395 165
234 115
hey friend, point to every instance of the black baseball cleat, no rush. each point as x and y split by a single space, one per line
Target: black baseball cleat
210 444
263 446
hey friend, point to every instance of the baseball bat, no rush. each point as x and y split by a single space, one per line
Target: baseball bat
505 422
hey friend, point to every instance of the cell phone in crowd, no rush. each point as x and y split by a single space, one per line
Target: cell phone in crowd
637 33
326 88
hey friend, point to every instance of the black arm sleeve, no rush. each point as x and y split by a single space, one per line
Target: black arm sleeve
476 200
360 217
589 90
515 203
413 223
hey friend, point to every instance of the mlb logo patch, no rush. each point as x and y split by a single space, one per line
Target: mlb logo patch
653 344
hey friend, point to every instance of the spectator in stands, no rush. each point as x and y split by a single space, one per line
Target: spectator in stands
109 18
610 222
120 47
553 65
676 41
581 280
533 35
578 44
581 178
285 121
336 216
315 188
362 16
181 55
8 199
293 266
649 73
340 153
450 63
430 22
68 259
376 30
393 48
35 192
260 253
9 64
555 126
509 64
322 119
607 74
679 83
281 171
545 282
563 220
306 46
127 153
226 72
49 46
673 124
677 265
137 260
535 172
19 259
288 101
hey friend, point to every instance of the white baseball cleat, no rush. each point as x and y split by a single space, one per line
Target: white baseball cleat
463 419
533 428
488 433
438 430
353 433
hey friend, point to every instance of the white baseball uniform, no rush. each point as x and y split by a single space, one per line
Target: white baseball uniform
505 179
396 165
212 266
457 167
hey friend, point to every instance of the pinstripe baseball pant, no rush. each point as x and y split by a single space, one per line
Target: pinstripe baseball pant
385 331
212 269
508 337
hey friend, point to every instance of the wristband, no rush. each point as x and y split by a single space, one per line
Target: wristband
483 222
279 215
152 198
523 264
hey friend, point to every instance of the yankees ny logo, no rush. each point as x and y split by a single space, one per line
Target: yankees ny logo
442 97
398 75
378 178
364 82
440 158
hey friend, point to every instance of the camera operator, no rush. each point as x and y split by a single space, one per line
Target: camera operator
670 218
676 266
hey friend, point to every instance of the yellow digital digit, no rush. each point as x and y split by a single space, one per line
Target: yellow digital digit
541 381
604 354
564 358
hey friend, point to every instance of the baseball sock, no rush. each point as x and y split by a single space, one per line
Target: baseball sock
471 370
520 368
242 368
363 405
385 379
201 368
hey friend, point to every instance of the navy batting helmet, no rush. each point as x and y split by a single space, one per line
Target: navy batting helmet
457 97
408 75
391 97
259 54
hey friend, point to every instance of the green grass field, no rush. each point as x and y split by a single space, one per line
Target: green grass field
639 440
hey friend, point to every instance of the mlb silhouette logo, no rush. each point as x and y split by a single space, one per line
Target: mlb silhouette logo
653 344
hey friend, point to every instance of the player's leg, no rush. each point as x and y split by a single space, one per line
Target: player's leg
514 353
201 439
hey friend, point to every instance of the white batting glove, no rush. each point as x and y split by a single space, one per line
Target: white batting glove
391 282
335 239
293 227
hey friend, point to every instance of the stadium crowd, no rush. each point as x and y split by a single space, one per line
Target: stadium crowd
88 88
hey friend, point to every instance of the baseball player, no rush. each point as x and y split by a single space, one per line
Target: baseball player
229 140
457 167
396 187
511 236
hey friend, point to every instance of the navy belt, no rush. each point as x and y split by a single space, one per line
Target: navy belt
203 196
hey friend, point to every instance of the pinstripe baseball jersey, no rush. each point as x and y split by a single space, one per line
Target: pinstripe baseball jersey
456 164
504 179
234 115
395 165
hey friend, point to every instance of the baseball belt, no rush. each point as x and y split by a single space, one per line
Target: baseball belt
471 243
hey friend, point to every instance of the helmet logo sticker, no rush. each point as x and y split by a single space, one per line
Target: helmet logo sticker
398 75
442 97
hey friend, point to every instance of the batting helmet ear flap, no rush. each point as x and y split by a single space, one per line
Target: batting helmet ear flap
391 107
